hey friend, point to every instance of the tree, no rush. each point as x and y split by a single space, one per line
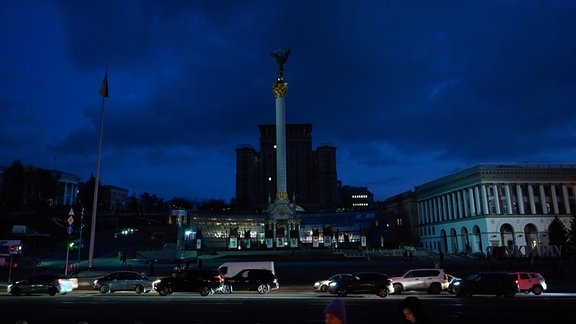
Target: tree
571 244
557 232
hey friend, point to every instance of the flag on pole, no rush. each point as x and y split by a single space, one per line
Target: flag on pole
104 86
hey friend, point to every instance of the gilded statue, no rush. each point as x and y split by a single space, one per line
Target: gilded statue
281 58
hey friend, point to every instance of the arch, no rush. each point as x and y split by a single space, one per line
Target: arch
443 244
507 238
476 239
465 240
453 240
531 235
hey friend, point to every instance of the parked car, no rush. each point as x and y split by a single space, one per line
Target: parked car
204 281
530 282
48 283
431 280
259 280
362 282
450 285
124 281
322 285
487 283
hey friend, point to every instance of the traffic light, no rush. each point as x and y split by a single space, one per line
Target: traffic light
72 245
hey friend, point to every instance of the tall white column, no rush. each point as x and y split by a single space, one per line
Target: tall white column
543 201
554 199
477 201
520 199
460 203
566 199
485 210
496 198
508 199
280 148
472 200
531 197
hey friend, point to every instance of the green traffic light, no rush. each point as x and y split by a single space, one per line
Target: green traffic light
71 244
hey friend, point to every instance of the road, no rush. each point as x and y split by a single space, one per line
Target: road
295 301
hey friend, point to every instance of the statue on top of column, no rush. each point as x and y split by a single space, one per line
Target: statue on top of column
281 58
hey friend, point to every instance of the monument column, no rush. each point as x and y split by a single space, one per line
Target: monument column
281 211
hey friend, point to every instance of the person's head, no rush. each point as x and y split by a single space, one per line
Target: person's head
411 309
335 312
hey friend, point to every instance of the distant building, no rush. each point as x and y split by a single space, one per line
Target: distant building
400 214
509 206
357 198
312 181
29 185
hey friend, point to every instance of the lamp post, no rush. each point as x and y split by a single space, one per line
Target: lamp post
81 231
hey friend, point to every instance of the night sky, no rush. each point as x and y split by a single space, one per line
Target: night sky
408 91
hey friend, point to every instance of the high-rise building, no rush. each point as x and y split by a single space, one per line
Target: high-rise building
311 176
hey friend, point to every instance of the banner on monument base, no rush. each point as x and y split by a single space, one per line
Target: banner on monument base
327 241
233 243
198 244
269 243
294 242
280 242
363 241
315 242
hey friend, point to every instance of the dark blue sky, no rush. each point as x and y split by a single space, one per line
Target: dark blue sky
408 91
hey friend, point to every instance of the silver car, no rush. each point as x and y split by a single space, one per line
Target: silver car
49 283
322 285
124 281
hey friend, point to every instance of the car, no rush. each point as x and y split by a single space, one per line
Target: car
530 282
48 283
204 281
449 285
430 280
362 282
486 283
322 285
124 281
259 280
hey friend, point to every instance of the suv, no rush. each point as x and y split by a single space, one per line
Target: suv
362 282
530 282
486 283
432 281
259 280
204 281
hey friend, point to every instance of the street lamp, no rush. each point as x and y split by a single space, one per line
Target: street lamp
81 230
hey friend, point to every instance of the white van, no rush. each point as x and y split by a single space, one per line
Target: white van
230 269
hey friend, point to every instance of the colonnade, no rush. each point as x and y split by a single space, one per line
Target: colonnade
497 199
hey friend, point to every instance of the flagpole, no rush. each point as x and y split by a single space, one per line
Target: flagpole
104 94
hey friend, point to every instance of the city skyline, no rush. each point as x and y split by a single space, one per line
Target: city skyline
406 92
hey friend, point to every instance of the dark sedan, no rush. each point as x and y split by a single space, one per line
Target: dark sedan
486 283
362 282
259 280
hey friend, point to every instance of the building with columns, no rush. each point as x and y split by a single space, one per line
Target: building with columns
509 206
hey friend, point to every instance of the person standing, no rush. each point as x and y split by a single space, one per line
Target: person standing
411 311
335 312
